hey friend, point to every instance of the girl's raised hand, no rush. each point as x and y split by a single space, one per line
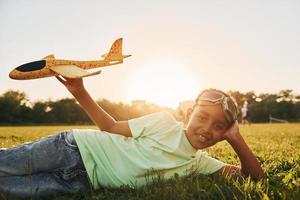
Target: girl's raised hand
74 85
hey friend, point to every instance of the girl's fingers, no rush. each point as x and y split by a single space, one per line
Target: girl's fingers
60 79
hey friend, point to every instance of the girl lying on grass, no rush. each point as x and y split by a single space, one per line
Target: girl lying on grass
124 152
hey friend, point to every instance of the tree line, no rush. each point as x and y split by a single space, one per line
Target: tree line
283 105
16 108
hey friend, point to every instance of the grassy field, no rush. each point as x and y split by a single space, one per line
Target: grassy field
277 147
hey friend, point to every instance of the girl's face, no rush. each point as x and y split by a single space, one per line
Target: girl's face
206 126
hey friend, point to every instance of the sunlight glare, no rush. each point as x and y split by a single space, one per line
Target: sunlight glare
163 83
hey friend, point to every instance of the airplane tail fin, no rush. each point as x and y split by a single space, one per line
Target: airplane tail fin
115 53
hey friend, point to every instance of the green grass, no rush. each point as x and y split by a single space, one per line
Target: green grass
277 146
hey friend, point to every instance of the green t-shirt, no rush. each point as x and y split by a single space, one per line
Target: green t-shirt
158 146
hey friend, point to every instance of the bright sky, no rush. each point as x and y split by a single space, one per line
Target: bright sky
178 47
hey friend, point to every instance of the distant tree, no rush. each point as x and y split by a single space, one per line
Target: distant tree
13 107
121 111
286 95
283 105
39 112
66 111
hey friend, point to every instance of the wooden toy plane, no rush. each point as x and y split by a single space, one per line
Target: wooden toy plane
49 66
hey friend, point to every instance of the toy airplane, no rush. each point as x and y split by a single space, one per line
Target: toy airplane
49 66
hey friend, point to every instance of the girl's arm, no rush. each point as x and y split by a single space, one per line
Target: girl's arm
249 164
100 117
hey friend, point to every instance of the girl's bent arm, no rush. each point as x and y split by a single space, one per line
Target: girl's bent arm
249 164
100 117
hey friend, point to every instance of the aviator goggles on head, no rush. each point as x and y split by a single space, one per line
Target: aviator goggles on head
216 97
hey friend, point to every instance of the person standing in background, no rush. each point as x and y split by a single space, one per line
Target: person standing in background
245 114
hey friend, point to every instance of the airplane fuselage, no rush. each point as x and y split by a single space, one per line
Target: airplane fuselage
42 68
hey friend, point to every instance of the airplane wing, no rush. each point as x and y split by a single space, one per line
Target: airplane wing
72 71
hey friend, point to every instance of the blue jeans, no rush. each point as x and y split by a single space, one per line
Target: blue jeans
50 166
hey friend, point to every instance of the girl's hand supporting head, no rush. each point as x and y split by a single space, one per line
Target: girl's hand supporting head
233 133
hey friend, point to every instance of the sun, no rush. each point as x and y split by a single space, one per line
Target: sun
164 83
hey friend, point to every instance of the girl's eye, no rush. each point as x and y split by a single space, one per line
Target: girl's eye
219 127
201 118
